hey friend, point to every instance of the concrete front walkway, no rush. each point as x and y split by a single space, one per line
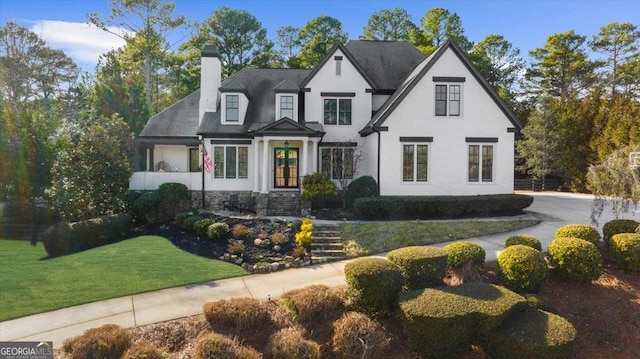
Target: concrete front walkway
553 209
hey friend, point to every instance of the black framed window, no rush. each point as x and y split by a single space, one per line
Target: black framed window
454 100
441 100
286 106
448 100
337 111
415 162
231 162
337 162
481 163
232 108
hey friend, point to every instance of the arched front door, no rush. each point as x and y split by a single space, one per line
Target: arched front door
285 174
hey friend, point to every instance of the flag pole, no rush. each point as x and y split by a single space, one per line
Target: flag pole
202 153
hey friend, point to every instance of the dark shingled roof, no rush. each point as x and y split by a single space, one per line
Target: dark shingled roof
386 63
259 85
177 120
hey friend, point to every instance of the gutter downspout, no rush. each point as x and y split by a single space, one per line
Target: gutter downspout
202 153
375 129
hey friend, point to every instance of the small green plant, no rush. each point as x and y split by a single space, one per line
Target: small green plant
217 230
190 222
361 187
625 250
181 217
239 231
522 269
525 240
463 252
146 206
201 226
582 231
305 236
575 259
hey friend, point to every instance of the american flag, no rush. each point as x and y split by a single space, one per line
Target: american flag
206 159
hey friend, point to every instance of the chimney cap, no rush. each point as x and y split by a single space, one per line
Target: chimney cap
210 51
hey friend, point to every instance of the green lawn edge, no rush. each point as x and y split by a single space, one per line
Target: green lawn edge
29 285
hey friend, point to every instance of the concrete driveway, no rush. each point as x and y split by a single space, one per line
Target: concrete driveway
553 209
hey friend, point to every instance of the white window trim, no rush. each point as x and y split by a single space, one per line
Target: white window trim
331 148
448 84
295 106
241 108
337 110
414 180
224 156
493 165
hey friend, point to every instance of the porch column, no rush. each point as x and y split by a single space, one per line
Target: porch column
305 155
315 155
256 165
265 166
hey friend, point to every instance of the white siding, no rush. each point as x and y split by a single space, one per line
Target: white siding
415 117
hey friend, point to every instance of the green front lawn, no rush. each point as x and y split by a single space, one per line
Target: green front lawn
378 237
29 285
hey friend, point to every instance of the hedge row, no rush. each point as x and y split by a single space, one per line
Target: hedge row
70 237
426 207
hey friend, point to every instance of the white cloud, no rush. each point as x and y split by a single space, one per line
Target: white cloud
83 42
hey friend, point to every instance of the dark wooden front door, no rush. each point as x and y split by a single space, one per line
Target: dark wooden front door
285 174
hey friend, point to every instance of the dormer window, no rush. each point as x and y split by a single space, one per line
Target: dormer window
232 108
286 107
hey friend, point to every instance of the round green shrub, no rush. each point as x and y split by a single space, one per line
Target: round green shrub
373 284
522 269
146 206
625 250
575 259
532 334
463 252
364 186
421 266
525 240
190 221
582 231
181 217
202 226
616 226
217 230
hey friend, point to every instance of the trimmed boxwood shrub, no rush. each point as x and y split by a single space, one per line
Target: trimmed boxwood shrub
532 334
421 266
146 206
190 221
373 284
239 314
313 302
582 231
575 259
357 336
444 322
522 269
427 207
625 250
202 226
525 240
217 230
144 351
616 226
463 252
71 237
361 187
217 346
180 218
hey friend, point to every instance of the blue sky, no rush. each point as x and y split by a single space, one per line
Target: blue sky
526 24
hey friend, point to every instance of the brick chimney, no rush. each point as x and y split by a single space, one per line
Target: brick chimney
210 77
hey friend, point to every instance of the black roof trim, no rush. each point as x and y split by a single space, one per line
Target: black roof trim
448 79
481 139
324 60
512 130
338 144
337 94
383 92
402 92
231 142
416 139
369 130
227 135
171 140
286 127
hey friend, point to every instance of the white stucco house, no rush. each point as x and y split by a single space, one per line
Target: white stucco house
427 126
